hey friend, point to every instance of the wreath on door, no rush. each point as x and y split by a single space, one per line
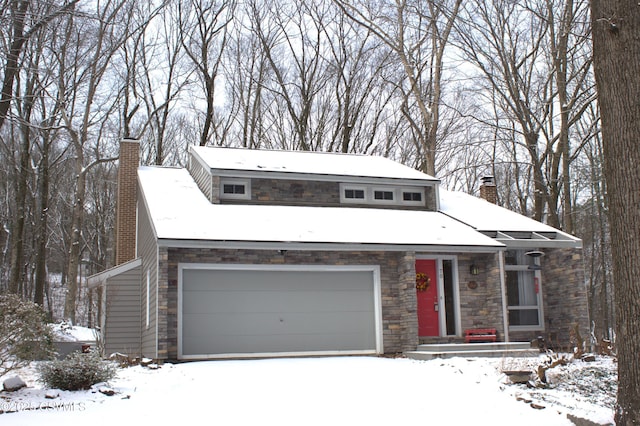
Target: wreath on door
422 281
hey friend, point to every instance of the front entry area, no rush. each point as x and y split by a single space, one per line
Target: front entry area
437 297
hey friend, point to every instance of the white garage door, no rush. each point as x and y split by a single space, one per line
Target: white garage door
226 312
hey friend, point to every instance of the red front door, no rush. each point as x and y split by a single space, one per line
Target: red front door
427 294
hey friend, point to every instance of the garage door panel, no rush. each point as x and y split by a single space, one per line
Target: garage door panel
268 311
202 279
271 301
228 344
272 324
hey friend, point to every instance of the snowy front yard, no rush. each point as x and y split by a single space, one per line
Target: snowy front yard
323 391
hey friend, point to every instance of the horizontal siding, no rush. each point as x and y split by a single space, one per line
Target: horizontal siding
202 177
122 327
148 251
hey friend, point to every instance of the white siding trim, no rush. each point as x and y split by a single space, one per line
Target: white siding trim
503 289
246 183
377 295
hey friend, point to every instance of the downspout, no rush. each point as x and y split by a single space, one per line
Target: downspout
503 291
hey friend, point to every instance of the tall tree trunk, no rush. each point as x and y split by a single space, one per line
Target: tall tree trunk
75 249
616 54
41 239
17 234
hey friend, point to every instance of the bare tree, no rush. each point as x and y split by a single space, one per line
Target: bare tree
418 33
84 63
534 60
616 56
359 89
23 25
204 35
293 44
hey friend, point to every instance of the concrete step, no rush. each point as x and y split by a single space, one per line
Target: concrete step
473 347
428 355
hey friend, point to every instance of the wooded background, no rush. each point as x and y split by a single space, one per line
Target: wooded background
459 90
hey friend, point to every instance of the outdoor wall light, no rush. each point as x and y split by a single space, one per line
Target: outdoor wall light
473 269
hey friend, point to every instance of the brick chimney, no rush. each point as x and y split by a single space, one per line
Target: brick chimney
488 189
126 201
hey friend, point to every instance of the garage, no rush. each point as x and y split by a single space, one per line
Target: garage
257 310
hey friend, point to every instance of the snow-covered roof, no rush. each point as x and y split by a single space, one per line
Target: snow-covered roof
179 211
306 162
503 224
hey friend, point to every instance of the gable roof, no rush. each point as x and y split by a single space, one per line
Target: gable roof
181 215
306 163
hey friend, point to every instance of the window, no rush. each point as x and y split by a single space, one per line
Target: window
523 291
383 195
238 189
233 189
412 196
354 194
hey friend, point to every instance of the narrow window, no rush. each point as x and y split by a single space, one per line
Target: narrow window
523 290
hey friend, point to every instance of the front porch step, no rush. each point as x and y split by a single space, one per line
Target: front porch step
473 350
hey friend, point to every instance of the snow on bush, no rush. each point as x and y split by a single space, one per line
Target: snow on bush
24 333
77 371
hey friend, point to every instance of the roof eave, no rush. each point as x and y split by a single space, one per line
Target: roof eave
100 278
324 246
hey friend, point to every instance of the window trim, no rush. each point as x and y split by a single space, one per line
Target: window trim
244 182
370 190
420 191
393 191
537 277
344 187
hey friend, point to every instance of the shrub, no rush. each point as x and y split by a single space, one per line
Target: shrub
77 371
24 333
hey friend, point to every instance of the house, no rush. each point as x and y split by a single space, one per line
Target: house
255 253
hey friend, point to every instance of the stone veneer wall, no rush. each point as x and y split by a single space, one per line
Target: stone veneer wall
292 192
565 300
397 276
480 307
309 193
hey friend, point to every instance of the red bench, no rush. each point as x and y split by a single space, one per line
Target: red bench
480 335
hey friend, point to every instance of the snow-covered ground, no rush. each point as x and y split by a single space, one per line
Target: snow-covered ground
325 391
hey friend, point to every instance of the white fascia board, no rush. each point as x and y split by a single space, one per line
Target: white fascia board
147 210
540 241
194 155
283 245
102 277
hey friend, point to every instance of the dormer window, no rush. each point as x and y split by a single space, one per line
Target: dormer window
354 194
412 196
382 195
231 188
238 189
